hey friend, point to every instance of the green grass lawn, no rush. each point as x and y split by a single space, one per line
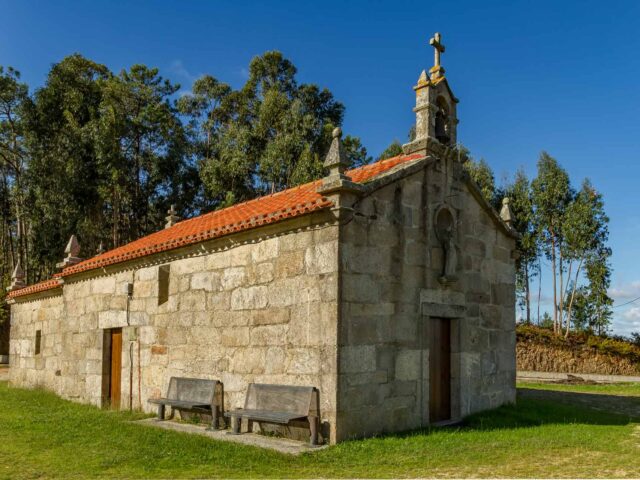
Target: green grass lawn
42 436
624 389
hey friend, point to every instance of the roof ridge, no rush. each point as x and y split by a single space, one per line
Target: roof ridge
266 209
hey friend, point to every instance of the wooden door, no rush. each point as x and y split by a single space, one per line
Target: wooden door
115 375
440 370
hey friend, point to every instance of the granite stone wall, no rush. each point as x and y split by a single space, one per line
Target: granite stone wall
344 305
391 267
260 307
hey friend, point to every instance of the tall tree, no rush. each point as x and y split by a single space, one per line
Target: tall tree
271 134
551 196
142 153
482 174
586 233
520 195
14 99
63 172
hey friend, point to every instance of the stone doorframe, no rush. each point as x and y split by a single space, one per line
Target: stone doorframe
441 303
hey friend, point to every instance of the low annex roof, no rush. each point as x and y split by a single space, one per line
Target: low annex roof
289 203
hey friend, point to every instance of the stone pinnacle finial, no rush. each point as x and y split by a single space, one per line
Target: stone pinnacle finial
172 218
17 278
100 250
72 251
505 213
336 160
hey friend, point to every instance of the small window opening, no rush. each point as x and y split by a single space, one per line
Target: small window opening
443 126
163 284
38 341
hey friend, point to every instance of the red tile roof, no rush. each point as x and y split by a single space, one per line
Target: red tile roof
289 203
36 288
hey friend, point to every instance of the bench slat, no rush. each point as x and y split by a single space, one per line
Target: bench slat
265 415
179 403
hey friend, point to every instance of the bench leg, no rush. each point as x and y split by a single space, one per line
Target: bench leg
236 425
160 412
313 427
216 421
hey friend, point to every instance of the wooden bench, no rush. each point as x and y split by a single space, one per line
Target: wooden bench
193 395
279 404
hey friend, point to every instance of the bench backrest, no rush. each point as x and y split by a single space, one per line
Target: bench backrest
192 389
302 401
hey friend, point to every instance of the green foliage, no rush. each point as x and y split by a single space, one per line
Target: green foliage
521 202
268 135
393 150
481 173
108 156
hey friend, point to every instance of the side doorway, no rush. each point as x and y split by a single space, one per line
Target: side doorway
112 368
440 370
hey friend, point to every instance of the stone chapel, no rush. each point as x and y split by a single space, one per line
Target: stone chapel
390 288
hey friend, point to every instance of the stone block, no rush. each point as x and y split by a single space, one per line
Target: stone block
358 359
192 301
269 334
261 273
408 365
265 250
233 277
234 336
269 316
321 258
359 288
250 298
303 361
208 281
290 264
112 319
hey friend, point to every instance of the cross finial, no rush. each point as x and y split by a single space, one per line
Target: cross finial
439 48
172 218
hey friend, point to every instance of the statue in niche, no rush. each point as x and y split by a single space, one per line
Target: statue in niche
445 231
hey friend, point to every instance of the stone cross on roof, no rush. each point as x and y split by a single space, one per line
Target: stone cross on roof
172 218
439 48
436 43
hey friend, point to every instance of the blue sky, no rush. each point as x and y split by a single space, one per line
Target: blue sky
555 75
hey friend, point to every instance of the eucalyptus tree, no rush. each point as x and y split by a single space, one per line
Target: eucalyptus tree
586 233
527 265
552 194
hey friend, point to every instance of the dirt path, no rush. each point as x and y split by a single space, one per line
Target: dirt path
629 406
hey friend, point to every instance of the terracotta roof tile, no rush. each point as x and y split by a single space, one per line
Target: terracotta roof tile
36 288
289 203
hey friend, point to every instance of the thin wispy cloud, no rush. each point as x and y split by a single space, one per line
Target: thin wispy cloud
179 69
626 291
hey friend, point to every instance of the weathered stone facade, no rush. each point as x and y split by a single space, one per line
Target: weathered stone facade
343 297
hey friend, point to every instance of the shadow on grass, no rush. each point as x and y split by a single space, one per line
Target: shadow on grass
554 409
624 406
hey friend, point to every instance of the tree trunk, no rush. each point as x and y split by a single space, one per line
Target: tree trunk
555 291
539 288
527 293
573 294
